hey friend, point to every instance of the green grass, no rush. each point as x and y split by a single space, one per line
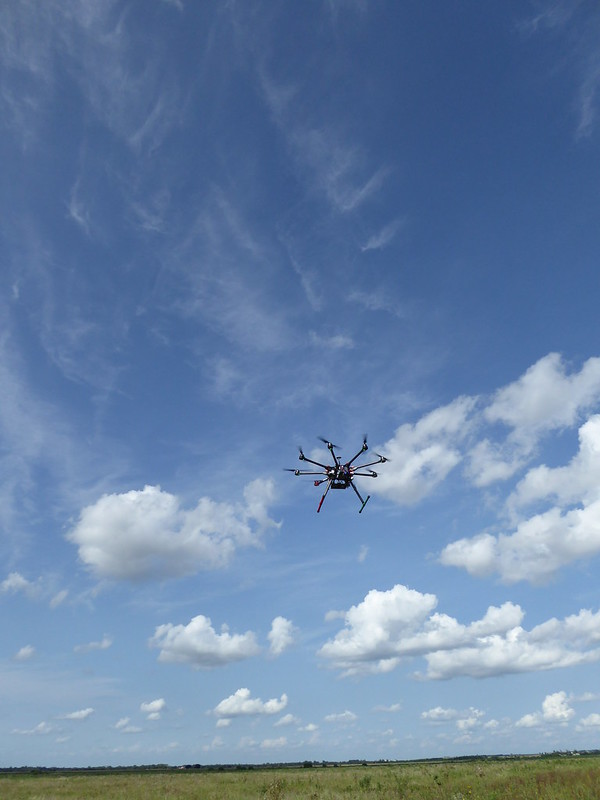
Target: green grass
569 778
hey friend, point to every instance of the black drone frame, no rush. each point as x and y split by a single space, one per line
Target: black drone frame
340 475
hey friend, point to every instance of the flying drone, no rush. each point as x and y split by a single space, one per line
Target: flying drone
340 475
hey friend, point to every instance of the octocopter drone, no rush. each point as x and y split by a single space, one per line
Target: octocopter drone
340 475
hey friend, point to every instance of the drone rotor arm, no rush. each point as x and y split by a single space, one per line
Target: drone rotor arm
316 463
363 449
306 472
370 463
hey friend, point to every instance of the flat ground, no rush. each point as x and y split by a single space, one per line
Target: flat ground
559 778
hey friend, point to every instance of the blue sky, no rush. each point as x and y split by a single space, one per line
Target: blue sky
228 228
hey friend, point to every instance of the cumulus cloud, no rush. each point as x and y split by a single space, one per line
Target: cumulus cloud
154 708
281 635
123 725
492 438
241 704
103 644
273 744
345 717
554 644
41 729
82 714
25 653
439 714
398 624
422 454
544 542
140 535
287 719
555 709
198 644
15 582
543 399
591 721
579 481
538 547
394 708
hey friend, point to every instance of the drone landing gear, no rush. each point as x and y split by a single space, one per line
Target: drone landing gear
363 503
324 496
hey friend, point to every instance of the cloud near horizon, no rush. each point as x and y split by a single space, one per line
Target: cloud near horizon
242 704
400 624
198 644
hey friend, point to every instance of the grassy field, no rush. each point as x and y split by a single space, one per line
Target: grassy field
515 779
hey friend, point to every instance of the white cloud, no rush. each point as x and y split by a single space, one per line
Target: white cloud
591 721
439 714
338 169
554 644
82 714
424 453
345 717
140 535
103 644
123 725
578 482
15 582
545 397
539 546
241 704
546 541
377 300
281 635
41 729
25 653
383 237
154 708
273 744
287 719
400 623
469 720
555 709
197 643
59 598
338 341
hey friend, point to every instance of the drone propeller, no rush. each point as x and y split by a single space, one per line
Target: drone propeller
328 443
383 458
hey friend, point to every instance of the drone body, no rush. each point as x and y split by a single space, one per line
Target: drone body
340 475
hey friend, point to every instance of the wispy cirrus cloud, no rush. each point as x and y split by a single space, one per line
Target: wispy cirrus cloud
578 25
384 237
